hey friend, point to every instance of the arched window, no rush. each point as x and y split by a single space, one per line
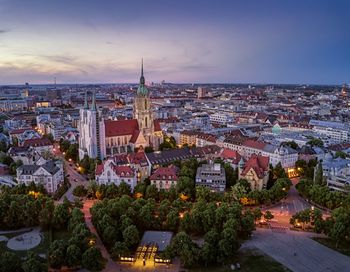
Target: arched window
146 121
145 103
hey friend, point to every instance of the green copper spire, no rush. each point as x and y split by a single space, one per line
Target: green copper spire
142 90
86 105
93 105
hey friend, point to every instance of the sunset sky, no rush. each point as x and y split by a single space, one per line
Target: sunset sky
88 41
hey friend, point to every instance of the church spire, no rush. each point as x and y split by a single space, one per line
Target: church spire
142 78
86 105
93 105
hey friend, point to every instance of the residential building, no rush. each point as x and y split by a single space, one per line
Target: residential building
109 172
164 177
50 175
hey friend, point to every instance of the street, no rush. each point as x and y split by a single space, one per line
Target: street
74 177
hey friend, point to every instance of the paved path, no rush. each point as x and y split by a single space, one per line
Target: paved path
110 265
310 255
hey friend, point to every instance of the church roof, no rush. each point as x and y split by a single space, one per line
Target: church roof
134 136
120 127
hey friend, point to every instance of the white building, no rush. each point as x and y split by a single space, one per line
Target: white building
92 131
220 118
337 132
109 172
50 175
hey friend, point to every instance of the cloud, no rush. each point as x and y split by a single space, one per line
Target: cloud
3 31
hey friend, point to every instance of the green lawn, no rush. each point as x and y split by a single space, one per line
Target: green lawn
250 261
343 246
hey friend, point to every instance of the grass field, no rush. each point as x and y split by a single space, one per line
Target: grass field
343 247
250 261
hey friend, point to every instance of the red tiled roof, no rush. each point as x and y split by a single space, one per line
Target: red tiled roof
20 130
136 158
231 155
123 171
37 142
134 136
165 173
260 164
99 169
254 144
120 159
120 127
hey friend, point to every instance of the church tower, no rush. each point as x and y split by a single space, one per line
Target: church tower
143 111
91 131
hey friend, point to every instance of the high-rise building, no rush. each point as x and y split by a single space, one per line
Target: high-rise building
200 92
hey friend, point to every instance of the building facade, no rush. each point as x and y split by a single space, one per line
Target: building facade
211 176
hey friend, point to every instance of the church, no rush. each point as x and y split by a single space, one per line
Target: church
101 138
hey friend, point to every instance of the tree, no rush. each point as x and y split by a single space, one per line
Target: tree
60 216
183 246
33 264
172 220
10 262
209 249
268 216
120 249
291 144
3 146
319 175
57 253
340 154
124 189
92 259
278 171
131 236
315 142
151 192
149 149
73 255
80 191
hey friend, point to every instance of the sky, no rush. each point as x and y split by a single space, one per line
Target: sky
181 41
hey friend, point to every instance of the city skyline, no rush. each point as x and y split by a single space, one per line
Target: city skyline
234 42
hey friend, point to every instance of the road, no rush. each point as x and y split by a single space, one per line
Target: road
74 177
309 255
292 204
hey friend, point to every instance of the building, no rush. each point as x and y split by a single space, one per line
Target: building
336 132
109 172
230 156
102 138
211 176
50 175
40 145
201 92
188 138
165 177
220 118
13 105
255 171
